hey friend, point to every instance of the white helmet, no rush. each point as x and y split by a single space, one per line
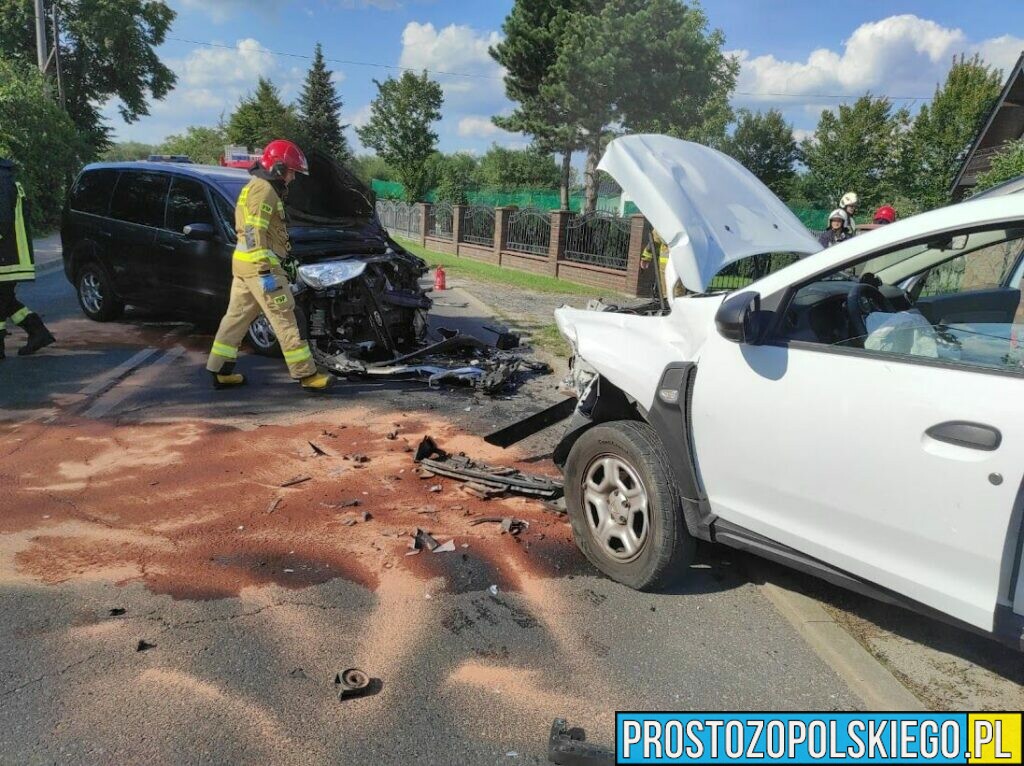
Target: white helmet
841 215
850 198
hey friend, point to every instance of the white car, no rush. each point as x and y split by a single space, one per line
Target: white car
857 413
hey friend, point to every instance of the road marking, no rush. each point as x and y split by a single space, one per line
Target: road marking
866 676
117 396
118 372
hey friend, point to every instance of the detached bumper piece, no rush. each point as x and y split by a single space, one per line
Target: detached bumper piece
498 478
569 747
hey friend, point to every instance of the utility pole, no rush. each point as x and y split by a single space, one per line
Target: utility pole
41 51
56 55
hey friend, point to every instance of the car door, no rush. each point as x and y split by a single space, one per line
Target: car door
137 213
191 270
905 471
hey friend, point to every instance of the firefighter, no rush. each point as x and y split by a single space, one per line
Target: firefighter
259 282
885 215
849 204
17 263
647 258
837 230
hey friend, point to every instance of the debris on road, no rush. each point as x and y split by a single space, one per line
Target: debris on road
353 503
423 540
366 516
538 421
569 747
117 611
436 488
509 524
318 451
501 478
493 590
143 645
273 505
353 682
296 480
297 673
448 547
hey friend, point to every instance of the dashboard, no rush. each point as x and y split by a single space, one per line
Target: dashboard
818 313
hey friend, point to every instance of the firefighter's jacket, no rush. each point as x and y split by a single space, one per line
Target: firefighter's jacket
17 262
261 230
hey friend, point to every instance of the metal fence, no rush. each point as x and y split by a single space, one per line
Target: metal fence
598 238
747 270
529 231
477 225
400 217
439 221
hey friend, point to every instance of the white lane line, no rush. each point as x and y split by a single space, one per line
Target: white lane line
118 395
120 371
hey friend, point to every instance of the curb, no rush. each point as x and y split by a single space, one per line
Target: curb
867 677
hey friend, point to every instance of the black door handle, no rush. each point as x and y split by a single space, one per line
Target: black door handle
965 434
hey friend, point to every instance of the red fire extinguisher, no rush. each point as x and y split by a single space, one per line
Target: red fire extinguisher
439 283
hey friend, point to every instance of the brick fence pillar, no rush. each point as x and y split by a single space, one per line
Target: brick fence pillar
556 249
634 275
457 211
501 215
424 216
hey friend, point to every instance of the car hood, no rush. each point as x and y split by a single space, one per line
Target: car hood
331 195
708 208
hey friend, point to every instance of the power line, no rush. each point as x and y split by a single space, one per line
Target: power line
473 75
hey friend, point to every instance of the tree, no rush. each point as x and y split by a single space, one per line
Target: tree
1007 164
370 166
943 131
852 149
261 117
455 175
399 128
763 143
127 150
531 168
201 144
37 134
108 51
640 65
319 109
534 30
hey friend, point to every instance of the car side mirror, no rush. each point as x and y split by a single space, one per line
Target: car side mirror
739 318
198 231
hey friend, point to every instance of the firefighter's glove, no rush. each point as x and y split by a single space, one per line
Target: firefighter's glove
268 282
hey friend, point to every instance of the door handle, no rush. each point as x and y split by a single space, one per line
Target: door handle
962 433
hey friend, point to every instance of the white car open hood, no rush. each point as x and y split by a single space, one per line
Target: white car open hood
708 208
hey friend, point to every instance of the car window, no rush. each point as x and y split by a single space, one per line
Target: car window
186 204
92 192
983 269
140 198
226 213
968 313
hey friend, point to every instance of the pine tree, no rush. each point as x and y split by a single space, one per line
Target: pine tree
319 109
262 117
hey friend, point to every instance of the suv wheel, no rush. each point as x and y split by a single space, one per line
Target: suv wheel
262 337
624 506
96 294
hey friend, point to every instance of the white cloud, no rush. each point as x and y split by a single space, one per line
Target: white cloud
222 10
455 49
902 55
475 126
801 133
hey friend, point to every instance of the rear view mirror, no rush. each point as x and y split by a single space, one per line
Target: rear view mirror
739 318
198 231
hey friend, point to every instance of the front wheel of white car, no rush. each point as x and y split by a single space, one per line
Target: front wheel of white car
624 506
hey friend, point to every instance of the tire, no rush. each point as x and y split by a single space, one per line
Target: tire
96 295
662 546
262 338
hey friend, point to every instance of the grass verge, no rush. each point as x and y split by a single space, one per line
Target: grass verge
487 272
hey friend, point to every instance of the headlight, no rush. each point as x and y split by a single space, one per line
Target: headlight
322 275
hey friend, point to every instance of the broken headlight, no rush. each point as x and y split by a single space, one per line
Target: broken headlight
320 276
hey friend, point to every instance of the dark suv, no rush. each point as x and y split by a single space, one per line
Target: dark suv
161 236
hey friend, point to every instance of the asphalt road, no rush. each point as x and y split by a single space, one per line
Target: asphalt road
149 494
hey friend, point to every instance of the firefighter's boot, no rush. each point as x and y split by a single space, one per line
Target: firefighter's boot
227 380
38 336
318 381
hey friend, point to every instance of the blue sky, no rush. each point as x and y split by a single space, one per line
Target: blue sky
799 56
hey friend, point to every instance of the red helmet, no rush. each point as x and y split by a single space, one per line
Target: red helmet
280 155
885 214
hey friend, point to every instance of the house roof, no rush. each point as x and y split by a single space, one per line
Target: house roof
1005 123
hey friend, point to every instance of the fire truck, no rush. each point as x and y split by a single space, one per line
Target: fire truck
238 157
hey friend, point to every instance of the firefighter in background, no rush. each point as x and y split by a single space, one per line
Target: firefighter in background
17 264
849 204
647 258
259 282
885 215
